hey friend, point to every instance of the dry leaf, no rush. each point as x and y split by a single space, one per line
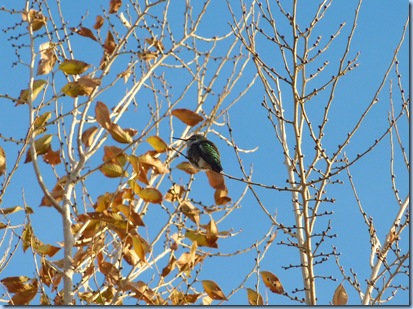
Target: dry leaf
73 67
174 193
151 195
213 290
221 197
41 146
254 298
114 6
40 121
157 43
190 211
272 282
47 58
340 296
119 135
157 143
187 116
109 44
2 161
112 170
103 115
147 55
99 22
25 94
52 157
216 180
86 32
187 168
87 136
35 19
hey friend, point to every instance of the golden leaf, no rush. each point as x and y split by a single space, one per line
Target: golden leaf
216 180
221 197
112 170
35 19
151 195
187 168
187 116
109 44
340 296
254 298
272 282
41 146
119 135
2 161
213 290
25 94
190 211
157 143
87 136
174 193
103 115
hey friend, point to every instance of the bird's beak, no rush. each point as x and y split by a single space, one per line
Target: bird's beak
179 138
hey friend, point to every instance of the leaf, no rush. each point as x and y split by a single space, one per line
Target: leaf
212 232
109 44
221 197
99 22
25 295
130 214
87 136
187 168
157 43
10 210
272 282
37 88
103 115
2 161
57 193
190 211
174 193
157 143
147 160
151 195
254 298
187 116
119 135
47 58
86 32
179 298
213 290
35 19
112 170
81 87
216 180
340 296
168 268
115 155
52 157
14 284
114 6
41 146
47 249
140 246
40 121
147 55
73 67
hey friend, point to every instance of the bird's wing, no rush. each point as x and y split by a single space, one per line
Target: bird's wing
214 158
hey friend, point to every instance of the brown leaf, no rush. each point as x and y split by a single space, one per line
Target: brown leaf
35 19
114 6
187 168
212 232
213 290
86 32
157 143
103 115
187 116
340 296
147 55
216 180
272 282
179 298
2 161
115 155
109 44
52 157
14 284
254 298
47 58
73 67
221 197
57 192
200 238
10 210
149 160
25 295
130 214
157 43
99 22
119 135
174 193
168 268
140 246
190 211
87 136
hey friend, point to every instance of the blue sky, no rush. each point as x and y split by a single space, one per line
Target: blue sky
379 29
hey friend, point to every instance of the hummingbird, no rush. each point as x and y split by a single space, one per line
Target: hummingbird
202 153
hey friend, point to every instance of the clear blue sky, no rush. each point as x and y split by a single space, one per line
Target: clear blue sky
378 32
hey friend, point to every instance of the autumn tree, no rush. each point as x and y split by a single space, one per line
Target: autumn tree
99 204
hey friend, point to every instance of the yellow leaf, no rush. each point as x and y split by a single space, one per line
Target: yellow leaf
112 170
157 143
41 146
254 298
187 168
73 67
40 121
35 19
151 195
213 290
140 246
119 135
77 88
190 211
25 94
272 282
174 193
147 55
2 161
340 297
187 116
10 210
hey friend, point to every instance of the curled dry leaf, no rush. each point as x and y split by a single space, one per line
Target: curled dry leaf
114 6
216 180
147 55
57 192
221 197
73 67
157 143
99 22
190 211
103 115
187 168
86 32
2 161
109 44
187 116
47 58
119 135
157 43
213 290
35 19
52 157
340 296
254 298
87 136
272 282
174 193
38 86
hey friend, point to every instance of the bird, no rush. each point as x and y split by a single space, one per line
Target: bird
202 153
